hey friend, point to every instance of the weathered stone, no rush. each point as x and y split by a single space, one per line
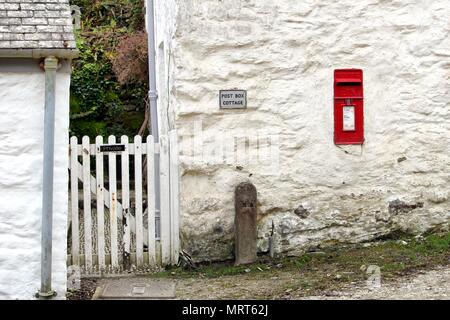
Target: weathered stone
397 206
245 224
301 212
135 289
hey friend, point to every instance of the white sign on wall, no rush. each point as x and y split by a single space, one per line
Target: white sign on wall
233 99
349 118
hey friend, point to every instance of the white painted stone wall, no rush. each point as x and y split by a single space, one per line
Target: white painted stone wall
284 53
21 160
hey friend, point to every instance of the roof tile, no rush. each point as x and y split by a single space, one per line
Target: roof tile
36 24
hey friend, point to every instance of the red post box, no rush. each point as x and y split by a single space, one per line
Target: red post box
348 106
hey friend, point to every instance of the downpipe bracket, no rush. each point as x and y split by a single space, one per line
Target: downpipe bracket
153 95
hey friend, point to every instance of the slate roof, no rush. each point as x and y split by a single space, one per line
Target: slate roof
36 25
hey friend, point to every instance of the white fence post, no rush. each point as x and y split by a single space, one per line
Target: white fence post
74 201
87 203
126 202
151 201
99 164
174 198
165 200
113 205
138 201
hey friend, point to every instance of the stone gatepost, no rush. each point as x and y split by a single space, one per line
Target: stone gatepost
245 224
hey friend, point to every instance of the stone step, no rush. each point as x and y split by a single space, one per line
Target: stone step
135 289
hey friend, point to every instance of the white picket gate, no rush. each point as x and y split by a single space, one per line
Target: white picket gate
113 226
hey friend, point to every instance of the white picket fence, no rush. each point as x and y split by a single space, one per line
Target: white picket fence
108 229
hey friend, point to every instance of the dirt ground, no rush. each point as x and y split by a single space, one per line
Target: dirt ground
412 268
419 285
429 285
433 284
86 291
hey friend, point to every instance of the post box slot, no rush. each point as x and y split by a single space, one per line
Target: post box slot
348 82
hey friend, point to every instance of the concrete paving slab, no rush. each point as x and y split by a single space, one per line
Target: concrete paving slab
135 289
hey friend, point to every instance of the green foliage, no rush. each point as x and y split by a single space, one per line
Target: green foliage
432 244
301 262
99 105
111 14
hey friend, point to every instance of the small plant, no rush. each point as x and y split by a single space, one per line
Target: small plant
130 64
302 261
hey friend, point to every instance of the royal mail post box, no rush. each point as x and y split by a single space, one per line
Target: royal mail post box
348 106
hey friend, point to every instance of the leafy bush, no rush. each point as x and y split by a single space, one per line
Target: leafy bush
99 104
131 62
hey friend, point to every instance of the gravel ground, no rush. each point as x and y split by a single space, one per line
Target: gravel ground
433 284
86 291
423 285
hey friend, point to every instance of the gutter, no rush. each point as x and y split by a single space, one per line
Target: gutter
153 97
46 292
39 53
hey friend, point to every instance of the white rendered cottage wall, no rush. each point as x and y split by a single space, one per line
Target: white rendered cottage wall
283 53
165 23
22 96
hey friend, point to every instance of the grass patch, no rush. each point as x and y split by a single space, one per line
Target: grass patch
391 256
